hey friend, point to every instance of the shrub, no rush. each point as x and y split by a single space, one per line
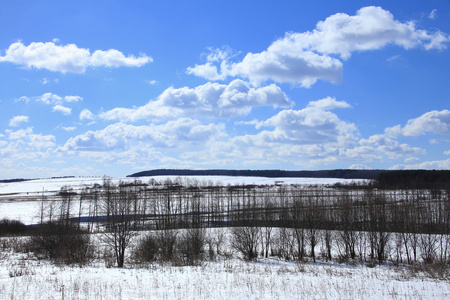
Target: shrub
157 246
147 249
12 227
191 246
167 240
62 243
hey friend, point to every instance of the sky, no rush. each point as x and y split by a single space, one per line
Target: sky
93 88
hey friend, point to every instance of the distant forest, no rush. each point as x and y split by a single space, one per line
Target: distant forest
341 173
414 179
409 179
419 179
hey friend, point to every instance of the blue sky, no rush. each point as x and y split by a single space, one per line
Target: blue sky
116 87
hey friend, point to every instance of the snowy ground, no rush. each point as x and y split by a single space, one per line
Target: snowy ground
36 187
21 200
227 279
24 277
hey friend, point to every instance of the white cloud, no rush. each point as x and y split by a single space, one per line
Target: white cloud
433 14
310 125
304 58
305 137
390 147
86 115
62 109
26 140
18 120
113 58
209 70
210 100
309 137
284 65
393 58
313 136
329 103
120 136
71 128
428 165
50 98
68 58
359 167
437 122
370 29
73 98
45 81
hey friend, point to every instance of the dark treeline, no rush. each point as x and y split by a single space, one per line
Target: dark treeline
340 173
417 179
13 180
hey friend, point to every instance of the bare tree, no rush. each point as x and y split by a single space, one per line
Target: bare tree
245 240
118 206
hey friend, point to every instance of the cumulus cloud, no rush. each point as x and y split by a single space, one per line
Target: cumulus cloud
312 136
50 98
309 137
370 29
86 115
210 70
211 100
120 136
68 58
310 125
26 138
18 120
62 109
304 58
390 147
303 67
328 103
428 165
305 137
437 122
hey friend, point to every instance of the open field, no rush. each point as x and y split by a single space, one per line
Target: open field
24 277
222 271
21 200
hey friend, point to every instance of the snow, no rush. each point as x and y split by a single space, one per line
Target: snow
227 279
22 276
21 200
36 187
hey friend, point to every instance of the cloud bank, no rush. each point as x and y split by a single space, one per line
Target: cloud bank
68 58
212 100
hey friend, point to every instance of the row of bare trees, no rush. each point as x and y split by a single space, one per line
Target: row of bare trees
293 222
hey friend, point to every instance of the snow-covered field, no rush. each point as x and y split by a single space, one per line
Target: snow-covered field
21 200
24 277
226 279
36 187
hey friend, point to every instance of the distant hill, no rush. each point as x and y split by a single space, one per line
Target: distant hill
340 173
